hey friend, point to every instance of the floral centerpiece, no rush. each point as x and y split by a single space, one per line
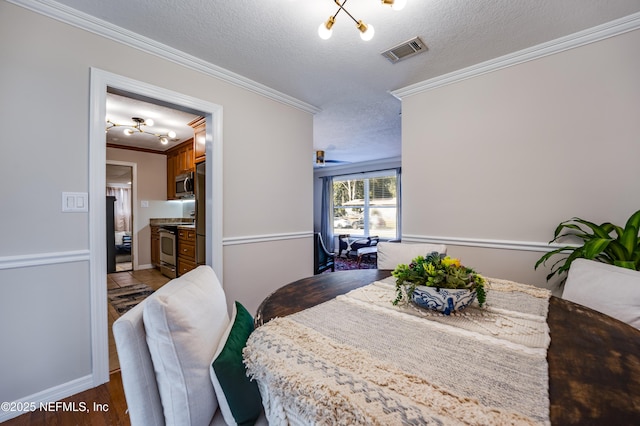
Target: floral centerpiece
438 272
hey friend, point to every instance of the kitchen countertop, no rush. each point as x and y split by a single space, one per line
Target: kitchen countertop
175 221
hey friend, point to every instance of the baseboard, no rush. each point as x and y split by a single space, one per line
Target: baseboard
40 399
145 266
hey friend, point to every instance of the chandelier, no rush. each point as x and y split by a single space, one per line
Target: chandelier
137 127
366 30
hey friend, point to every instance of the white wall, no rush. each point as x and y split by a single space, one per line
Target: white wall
502 158
44 114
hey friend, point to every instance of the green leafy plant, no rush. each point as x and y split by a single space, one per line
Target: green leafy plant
436 270
606 243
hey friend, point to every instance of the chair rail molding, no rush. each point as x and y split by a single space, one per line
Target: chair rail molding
485 243
40 259
252 239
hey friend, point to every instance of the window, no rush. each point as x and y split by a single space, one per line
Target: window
366 204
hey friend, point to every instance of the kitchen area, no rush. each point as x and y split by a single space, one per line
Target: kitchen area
168 205
178 243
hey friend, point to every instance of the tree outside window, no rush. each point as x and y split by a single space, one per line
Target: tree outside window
366 206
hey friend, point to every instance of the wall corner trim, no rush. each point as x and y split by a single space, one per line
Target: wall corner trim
581 38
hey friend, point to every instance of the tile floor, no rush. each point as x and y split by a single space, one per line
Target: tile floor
151 277
124 266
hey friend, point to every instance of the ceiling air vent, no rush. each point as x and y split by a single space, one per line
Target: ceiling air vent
405 50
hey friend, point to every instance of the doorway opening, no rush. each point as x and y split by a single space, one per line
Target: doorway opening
120 186
101 83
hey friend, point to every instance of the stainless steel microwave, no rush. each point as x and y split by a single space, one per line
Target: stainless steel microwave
184 185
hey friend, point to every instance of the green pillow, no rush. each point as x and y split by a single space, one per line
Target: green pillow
238 397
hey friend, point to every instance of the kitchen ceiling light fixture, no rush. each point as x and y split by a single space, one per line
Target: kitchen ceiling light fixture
130 129
366 30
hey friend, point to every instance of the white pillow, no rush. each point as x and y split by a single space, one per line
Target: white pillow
391 255
119 236
184 321
609 289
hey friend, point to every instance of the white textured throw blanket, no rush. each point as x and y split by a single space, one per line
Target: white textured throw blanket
358 359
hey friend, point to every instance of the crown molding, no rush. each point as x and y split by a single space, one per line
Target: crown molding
591 35
102 28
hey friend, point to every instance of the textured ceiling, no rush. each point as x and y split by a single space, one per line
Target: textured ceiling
275 42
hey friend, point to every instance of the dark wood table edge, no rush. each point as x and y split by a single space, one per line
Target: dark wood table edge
353 279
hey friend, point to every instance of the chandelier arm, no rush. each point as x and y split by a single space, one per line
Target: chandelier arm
138 127
339 8
345 10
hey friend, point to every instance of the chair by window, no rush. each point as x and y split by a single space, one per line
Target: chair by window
348 246
323 258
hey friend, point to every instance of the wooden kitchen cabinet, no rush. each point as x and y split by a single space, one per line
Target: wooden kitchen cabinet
182 157
186 249
199 139
184 163
179 161
155 246
171 177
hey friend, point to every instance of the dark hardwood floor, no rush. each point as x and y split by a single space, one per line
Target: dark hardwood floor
105 405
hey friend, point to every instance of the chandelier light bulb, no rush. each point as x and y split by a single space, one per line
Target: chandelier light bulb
399 4
324 30
366 31
164 140
171 134
127 132
148 122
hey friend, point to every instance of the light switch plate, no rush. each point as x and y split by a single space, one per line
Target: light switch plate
75 202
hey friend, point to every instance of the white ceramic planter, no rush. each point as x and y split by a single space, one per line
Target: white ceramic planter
445 300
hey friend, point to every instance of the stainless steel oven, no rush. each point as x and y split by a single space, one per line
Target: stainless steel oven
168 251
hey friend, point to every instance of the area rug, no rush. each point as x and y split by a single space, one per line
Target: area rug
125 298
345 264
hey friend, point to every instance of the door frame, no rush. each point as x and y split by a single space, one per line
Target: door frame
100 81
